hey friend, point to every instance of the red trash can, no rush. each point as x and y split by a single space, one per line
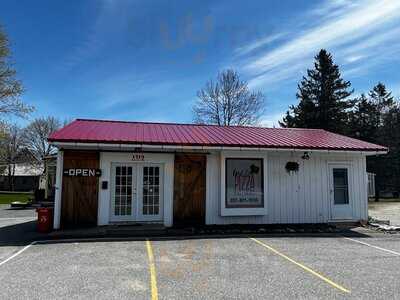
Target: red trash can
45 219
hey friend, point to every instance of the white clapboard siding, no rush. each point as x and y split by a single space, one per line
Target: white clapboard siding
301 197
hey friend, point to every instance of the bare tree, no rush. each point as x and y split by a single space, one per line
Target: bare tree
35 136
11 152
228 101
10 88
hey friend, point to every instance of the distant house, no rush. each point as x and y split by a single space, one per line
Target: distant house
114 171
48 179
26 178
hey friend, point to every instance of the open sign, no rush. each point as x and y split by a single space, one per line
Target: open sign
82 172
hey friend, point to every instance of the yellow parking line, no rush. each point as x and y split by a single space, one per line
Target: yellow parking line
327 280
152 267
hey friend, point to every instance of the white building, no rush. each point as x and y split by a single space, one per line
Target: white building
111 171
26 177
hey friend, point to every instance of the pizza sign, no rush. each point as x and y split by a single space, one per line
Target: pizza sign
82 172
244 183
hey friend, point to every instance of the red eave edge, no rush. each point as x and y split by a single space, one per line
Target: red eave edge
383 149
196 135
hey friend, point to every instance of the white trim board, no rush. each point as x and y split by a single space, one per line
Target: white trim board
112 146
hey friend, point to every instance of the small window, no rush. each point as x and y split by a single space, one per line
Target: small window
244 180
341 186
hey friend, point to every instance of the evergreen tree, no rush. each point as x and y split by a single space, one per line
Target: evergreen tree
362 120
376 119
387 167
323 96
391 134
383 101
367 117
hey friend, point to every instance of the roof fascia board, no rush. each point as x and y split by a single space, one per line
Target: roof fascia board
100 146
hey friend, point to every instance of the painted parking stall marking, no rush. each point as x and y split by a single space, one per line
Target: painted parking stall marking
17 253
373 246
305 268
152 267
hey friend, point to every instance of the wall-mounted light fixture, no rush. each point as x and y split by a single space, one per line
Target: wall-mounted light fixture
305 156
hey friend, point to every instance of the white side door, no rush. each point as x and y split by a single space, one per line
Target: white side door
123 192
340 179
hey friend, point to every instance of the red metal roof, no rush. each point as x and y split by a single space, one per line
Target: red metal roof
99 131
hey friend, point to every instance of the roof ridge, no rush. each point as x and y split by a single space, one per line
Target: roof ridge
191 124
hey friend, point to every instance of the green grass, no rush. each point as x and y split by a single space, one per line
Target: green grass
7 198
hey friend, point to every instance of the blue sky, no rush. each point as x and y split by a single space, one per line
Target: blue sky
145 60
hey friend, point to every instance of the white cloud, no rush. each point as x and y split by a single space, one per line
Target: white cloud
378 39
333 8
354 58
272 78
271 120
259 43
351 30
106 26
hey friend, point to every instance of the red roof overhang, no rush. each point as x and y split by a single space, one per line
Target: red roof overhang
193 135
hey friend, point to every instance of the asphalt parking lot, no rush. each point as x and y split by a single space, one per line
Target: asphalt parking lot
207 268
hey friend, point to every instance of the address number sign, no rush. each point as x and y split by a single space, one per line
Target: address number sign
138 157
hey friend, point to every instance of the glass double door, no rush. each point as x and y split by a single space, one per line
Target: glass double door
136 192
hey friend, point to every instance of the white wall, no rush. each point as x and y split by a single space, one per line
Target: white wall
107 158
58 192
302 197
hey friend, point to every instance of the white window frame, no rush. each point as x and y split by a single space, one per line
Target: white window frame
239 211
123 218
346 208
140 215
